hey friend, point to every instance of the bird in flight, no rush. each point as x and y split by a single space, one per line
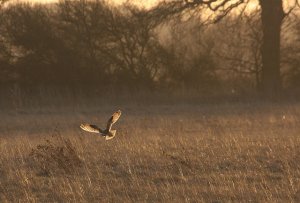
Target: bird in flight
108 133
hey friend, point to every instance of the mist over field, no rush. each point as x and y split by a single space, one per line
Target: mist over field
210 103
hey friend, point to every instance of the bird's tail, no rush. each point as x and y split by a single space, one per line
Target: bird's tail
111 134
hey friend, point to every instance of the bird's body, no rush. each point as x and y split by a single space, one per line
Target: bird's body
108 133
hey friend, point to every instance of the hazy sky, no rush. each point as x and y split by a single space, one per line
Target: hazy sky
147 3
39 1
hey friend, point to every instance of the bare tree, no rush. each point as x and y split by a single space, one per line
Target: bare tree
238 49
272 15
190 55
5 51
291 52
136 45
84 27
120 43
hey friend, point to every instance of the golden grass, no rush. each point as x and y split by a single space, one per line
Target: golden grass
162 153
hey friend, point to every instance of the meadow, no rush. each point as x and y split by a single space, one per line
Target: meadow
164 151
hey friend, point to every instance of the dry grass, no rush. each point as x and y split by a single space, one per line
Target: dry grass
162 153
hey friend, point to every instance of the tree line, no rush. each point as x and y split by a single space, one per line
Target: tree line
93 43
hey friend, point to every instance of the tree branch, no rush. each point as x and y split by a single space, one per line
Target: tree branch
175 7
296 4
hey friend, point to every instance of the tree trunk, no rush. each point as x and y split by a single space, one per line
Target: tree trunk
272 15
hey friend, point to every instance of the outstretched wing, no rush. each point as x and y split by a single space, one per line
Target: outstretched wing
113 119
90 128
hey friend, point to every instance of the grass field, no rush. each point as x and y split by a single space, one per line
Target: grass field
163 152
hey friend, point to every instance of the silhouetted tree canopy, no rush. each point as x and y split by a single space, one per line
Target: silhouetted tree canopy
197 45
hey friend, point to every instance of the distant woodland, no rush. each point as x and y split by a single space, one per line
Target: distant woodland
95 45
